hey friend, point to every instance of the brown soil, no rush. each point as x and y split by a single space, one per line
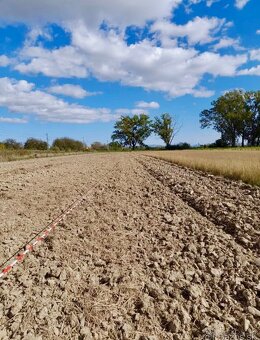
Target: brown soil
155 251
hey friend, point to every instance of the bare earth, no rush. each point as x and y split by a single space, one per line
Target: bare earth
156 251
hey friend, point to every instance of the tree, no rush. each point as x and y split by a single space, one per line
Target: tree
115 146
165 127
132 131
68 144
97 146
236 115
35 144
252 128
228 116
12 144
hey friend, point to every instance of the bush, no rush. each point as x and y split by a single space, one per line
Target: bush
115 146
35 144
180 146
97 146
219 143
12 144
68 144
2 146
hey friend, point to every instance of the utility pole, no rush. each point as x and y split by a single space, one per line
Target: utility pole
47 139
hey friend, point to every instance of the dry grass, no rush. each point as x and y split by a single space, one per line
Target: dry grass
235 164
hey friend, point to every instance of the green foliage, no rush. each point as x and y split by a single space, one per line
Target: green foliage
97 146
132 131
68 144
164 127
12 144
35 144
235 115
115 146
180 146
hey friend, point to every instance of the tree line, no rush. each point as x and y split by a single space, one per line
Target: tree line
59 144
236 116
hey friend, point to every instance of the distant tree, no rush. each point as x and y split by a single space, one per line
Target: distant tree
35 144
68 144
228 115
12 144
165 127
236 115
180 146
115 146
97 146
252 127
132 131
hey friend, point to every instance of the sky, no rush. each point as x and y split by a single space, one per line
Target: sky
72 68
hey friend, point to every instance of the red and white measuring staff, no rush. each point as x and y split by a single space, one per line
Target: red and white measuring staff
19 256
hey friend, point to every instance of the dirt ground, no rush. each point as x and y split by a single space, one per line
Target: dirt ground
155 251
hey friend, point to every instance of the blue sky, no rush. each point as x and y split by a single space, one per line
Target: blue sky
72 68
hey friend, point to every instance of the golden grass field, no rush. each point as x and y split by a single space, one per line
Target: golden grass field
236 164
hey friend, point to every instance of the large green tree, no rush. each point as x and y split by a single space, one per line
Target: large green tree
252 129
165 127
132 131
229 116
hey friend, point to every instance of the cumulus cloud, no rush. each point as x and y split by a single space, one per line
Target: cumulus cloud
241 3
147 105
21 97
227 42
13 120
116 12
64 62
4 61
197 31
167 61
253 71
255 54
105 55
258 32
71 90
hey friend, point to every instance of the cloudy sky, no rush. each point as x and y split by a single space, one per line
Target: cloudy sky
71 68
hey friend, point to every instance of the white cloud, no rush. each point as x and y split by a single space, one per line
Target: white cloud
227 42
13 120
241 3
106 56
258 32
198 31
65 62
71 90
162 64
4 61
147 105
253 71
21 97
117 12
255 54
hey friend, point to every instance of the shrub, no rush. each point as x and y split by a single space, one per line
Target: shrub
35 144
68 144
180 146
115 146
12 144
97 146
